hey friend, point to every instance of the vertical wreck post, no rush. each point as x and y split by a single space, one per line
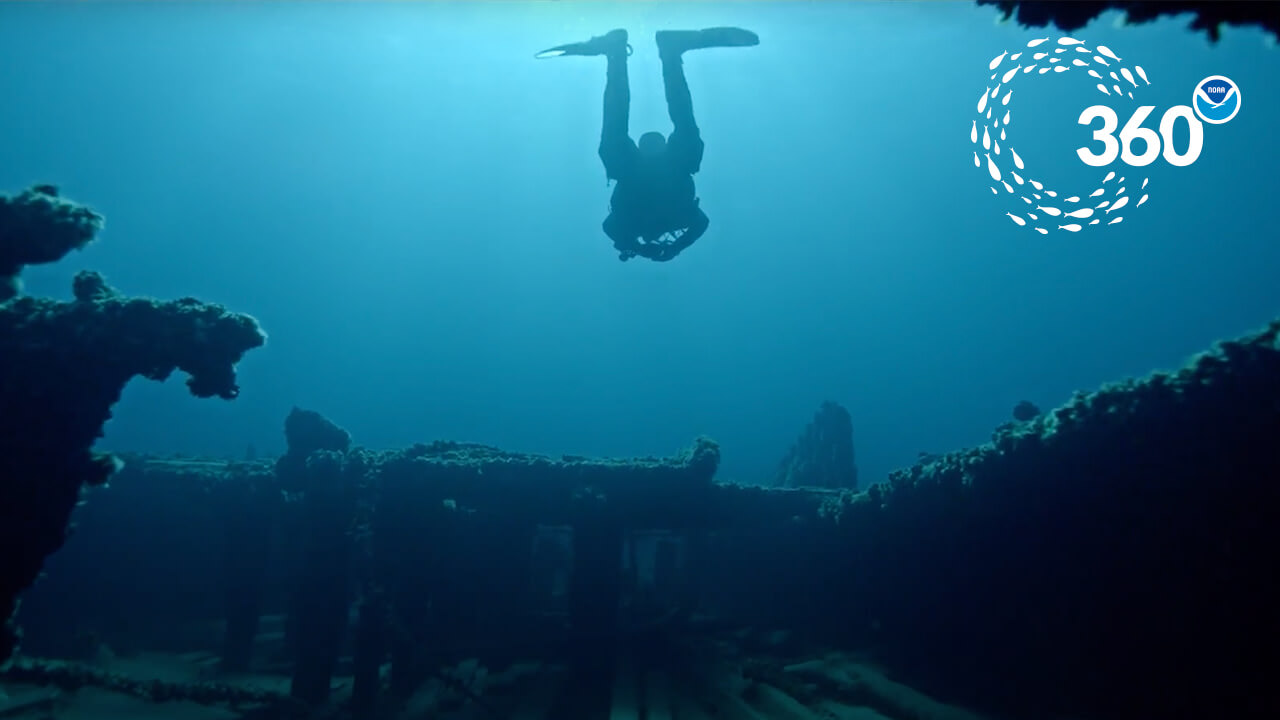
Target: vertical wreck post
594 593
249 504
370 649
313 467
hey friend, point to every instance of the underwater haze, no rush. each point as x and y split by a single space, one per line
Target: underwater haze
410 204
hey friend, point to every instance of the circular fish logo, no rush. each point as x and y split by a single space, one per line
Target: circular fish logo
1037 207
1216 99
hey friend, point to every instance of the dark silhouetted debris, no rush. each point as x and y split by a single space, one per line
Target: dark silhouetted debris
1207 15
1025 411
823 455
305 432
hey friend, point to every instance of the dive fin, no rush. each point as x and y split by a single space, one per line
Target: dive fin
679 41
599 45
578 48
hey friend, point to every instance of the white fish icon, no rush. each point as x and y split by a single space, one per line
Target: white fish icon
1009 75
1014 57
1073 198
1033 216
1108 177
995 191
1016 177
1005 100
1061 68
1070 228
1079 63
1081 213
1117 89
1094 73
1130 94
1095 193
1026 199
1017 161
1142 74
992 169
1035 43
1094 221
1144 183
999 58
973 134
996 147
1036 184
1051 193
1103 89
1060 50
1044 70
982 101
1069 41
1113 222
1142 200
1040 56
1101 61
1007 187
1042 231
976 161
1016 219
1054 60
1002 136
995 92
1049 210
1006 117
1119 204
986 139
1102 204
1114 76
1104 50
1028 69
1121 190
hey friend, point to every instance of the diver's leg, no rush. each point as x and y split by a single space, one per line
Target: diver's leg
617 149
672 44
685 142
617 97
679 99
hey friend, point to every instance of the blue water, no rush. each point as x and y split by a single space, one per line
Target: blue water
411 206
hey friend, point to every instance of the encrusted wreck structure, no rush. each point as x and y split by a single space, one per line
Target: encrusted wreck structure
1118 540
65 365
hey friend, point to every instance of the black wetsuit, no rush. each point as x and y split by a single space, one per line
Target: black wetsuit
654 211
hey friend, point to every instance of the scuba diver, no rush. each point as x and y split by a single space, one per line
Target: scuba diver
654 211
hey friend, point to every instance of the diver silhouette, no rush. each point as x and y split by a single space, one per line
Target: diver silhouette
654 211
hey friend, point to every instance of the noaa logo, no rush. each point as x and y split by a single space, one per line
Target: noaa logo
1216 99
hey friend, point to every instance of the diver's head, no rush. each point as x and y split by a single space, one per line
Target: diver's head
652 144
